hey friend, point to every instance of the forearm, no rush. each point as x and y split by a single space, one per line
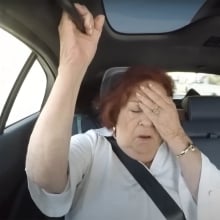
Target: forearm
47 156
190 163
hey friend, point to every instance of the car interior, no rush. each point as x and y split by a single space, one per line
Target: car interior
192 46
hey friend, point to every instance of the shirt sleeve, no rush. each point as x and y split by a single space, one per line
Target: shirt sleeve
80 160
209 191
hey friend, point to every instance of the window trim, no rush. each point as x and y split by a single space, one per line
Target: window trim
15 89
50 76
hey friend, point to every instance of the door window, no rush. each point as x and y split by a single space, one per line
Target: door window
30 91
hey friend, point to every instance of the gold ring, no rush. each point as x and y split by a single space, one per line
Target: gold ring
156 110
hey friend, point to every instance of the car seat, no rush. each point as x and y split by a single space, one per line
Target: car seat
202 124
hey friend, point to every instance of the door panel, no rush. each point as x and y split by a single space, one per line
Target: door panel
15 201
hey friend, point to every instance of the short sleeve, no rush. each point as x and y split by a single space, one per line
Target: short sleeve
209 191
80 160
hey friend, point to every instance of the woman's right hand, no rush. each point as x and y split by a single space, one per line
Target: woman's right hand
77 47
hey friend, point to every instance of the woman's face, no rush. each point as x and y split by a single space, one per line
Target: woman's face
135 133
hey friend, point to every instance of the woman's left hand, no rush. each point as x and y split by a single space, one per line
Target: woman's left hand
161 110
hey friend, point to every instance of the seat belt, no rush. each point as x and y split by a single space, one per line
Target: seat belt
148 182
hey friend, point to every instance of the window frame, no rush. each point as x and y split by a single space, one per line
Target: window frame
28 63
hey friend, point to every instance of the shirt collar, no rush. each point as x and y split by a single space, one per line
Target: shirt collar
160 160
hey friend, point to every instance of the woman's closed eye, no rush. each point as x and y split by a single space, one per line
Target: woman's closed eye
137 110
134 107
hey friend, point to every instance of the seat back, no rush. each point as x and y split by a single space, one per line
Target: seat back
83 122
202 124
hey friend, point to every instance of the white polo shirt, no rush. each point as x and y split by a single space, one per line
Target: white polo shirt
101 188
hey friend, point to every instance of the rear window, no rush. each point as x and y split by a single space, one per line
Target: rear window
200 83
150 16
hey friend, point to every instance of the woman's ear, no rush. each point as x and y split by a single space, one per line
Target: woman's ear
114 131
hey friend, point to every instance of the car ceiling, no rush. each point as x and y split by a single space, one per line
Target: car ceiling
195 47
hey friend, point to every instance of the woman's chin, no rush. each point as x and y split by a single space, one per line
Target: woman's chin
145 145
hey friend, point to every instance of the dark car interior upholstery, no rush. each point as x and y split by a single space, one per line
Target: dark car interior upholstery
84 122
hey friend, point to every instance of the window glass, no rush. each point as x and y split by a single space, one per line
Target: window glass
150 16
13 55
202 83
30 96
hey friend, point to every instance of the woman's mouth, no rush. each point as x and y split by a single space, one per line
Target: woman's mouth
144 136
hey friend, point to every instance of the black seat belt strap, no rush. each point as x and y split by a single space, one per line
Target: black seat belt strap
152 187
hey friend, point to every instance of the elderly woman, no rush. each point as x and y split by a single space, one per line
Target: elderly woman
81 177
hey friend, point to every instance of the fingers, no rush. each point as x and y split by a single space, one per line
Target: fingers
88 20
145 101
148 111
155 96
159 93
90 24
99 22
154 100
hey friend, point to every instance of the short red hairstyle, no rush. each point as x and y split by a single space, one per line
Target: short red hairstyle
117 97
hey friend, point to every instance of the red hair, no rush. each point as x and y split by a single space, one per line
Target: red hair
117 97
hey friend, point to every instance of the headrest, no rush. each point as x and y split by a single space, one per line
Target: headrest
202 107
110 77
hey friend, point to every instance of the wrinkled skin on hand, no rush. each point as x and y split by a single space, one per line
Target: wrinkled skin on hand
76 45
163 113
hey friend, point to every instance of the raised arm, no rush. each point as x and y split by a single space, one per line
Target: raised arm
47 155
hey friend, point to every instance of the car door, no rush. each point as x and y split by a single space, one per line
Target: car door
25 82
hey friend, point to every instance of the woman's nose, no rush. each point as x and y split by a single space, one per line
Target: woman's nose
145 122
